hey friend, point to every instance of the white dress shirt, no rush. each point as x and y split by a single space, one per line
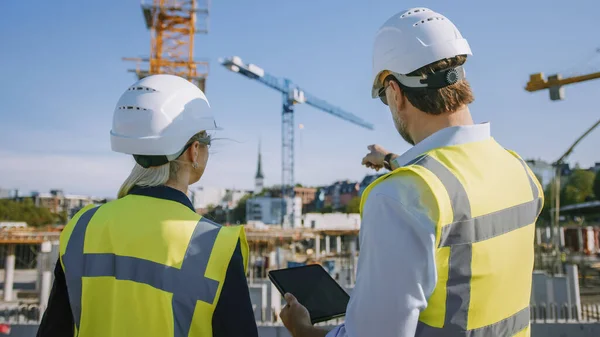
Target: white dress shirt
396 270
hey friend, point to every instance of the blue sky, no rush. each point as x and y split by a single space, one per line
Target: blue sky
62 74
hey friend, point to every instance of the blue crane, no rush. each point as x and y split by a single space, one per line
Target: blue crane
292 94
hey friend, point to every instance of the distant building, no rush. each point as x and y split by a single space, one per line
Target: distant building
269 210
6 193
340 221
259 178
595 168
203 197
543 170
340 193
307 194
58 202
367 180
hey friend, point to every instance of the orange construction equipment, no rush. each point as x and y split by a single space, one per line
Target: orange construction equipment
173 25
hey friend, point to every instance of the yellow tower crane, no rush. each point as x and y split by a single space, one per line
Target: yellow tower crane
173 25
555 84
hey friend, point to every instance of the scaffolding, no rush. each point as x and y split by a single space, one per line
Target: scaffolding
173 25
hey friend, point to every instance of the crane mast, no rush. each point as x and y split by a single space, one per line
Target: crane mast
291 95
173 25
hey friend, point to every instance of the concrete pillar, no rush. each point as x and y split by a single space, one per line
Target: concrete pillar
338 244
318 246
263 302
580 239
46 269
353 261
275 302
9 273
573 289
327 244
272 260
251 264
279 257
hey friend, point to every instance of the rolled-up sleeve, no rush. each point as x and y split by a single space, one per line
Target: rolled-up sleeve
396 267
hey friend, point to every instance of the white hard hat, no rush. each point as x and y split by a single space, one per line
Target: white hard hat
157 115
412 39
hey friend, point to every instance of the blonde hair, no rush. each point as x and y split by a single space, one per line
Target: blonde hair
158 175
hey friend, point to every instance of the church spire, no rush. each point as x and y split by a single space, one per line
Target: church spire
258 180
259 172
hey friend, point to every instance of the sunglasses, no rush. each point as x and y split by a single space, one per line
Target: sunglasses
382 95
206 141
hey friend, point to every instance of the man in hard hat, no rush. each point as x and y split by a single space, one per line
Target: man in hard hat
446 236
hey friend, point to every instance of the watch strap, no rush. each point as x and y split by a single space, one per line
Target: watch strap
386 161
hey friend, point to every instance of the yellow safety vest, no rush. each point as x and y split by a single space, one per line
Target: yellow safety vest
142 266
485 204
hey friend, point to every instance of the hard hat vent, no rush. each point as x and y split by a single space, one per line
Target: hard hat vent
433 18
415 11
140 88
123 107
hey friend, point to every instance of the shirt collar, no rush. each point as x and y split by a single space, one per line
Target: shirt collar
453 135
163 192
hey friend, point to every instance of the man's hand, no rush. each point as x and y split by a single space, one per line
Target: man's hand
375 158
295 316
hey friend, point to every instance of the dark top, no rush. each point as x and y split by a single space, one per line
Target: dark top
233 316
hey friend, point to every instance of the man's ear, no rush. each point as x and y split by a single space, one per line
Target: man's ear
398 94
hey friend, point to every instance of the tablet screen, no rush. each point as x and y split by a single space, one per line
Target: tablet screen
314 288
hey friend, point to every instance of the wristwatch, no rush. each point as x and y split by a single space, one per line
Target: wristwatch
386 161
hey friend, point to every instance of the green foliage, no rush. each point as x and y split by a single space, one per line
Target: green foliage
11 210
239 212
353 206
216 214
596 186
326 209
578 187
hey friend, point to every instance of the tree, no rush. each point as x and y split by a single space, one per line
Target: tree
548 201
26 211
239 212
578 187
597 185
353 206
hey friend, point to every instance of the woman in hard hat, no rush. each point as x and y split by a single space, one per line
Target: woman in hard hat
147 264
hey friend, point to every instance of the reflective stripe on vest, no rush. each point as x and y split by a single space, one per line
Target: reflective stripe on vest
459 235
169 279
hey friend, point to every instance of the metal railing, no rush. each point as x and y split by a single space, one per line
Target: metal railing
27 314
553 313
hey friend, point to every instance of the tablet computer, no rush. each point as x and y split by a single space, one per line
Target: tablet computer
315 289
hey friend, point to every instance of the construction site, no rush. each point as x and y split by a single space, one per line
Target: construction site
566 280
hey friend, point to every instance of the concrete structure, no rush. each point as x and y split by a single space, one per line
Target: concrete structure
560 290
12 224
269 210
331 221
